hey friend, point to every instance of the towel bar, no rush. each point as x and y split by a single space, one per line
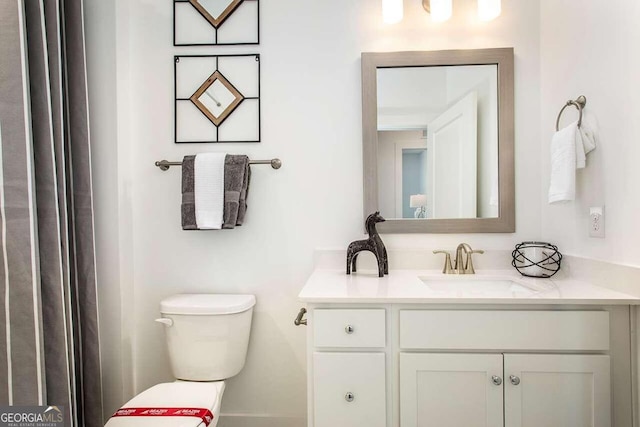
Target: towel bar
579 103
275 163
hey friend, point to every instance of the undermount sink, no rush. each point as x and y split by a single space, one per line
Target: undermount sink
479 286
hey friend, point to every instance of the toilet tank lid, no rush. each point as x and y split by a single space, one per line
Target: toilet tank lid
204 304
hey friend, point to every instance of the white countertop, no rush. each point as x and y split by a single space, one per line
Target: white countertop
485 287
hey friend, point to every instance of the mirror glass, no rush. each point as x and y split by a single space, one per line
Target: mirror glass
437 137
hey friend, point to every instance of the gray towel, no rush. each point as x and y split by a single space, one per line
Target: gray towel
188 197
242 208
237 175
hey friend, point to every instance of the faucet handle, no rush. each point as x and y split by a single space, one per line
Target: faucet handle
447 262
469 267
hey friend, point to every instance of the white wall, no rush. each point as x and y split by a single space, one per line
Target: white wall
589 49
311 119
101 54
106 29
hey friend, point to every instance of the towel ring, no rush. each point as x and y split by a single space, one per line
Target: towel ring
579 103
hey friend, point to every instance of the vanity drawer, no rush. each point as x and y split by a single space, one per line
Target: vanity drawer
349 328
504 330
349 389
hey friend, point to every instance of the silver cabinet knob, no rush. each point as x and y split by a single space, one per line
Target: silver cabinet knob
349 329
349 397
496 380
514 380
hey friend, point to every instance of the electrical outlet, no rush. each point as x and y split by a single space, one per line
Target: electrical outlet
596 222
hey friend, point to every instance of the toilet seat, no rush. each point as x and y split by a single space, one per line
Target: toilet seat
178 394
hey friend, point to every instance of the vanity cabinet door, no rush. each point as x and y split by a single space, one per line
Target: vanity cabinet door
452 390
557 390
349 390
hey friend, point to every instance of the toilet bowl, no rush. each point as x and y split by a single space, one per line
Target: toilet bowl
207 338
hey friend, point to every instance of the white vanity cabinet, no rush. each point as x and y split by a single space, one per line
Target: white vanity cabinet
403 365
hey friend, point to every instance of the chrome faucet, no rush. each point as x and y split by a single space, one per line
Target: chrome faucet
460 266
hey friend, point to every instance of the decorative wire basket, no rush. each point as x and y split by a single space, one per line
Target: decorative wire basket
536 259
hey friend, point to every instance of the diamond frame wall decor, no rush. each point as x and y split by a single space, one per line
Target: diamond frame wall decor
196 24
217 98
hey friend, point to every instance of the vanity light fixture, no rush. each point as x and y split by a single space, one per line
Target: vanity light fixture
440 10
392 11
489 9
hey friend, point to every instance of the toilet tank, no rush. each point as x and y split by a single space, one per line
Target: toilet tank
207 334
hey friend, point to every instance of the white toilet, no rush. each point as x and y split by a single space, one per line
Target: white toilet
207 338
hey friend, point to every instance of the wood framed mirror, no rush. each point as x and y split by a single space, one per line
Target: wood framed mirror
216 98
438 140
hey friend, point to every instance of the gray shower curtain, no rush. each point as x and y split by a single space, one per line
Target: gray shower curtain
49 344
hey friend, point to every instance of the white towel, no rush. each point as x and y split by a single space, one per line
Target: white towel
589 132
586 139
209 190
563 165
581 155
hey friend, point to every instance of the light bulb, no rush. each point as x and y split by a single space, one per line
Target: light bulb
489 9
441 10
391 11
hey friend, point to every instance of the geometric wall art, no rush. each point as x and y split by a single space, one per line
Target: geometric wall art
215 22
217 98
